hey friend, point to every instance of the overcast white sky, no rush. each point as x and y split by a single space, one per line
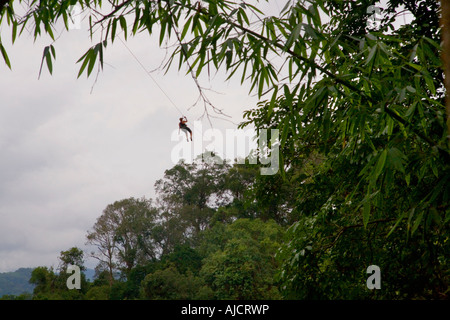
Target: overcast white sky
66 153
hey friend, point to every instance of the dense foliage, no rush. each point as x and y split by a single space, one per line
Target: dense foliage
364 154
157 250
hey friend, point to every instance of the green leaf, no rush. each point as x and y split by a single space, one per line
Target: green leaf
417 222
263 76
284 131
408 179
85 58
100 52
367 204
92 58
48 58
241 13
294 36
52 49
47 55
395 159
185 28
400 218
48 28
136 20
429 82
113 29
380 164
123 24
14 31
310 31
390 126
272 102
287 6
366 213
5 56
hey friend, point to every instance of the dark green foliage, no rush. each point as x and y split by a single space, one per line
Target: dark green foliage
243 266
170 284
50 285
184 258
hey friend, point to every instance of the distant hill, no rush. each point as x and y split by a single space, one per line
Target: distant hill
90 274
16 283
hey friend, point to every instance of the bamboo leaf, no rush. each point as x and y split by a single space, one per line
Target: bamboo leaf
294 36
272 102
14 31
85 59
123 25
429 82
400 218
417 222
47 57
113 29
185 28
380 164
395 159
92 57
366 213
5 56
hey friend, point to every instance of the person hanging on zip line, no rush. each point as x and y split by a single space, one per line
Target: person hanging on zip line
182 125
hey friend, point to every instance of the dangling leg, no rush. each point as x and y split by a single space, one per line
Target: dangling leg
186 133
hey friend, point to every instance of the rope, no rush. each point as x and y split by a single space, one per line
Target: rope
149 74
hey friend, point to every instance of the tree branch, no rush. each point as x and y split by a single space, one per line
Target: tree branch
445 25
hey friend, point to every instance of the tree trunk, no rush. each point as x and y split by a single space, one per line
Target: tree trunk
445 56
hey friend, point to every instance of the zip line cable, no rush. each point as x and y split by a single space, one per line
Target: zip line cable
149 74
168 97
160 88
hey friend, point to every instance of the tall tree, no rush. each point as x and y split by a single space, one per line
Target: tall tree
53 286
102 236
74 256
124 235
188 195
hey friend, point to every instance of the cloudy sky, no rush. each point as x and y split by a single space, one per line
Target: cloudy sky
69 147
